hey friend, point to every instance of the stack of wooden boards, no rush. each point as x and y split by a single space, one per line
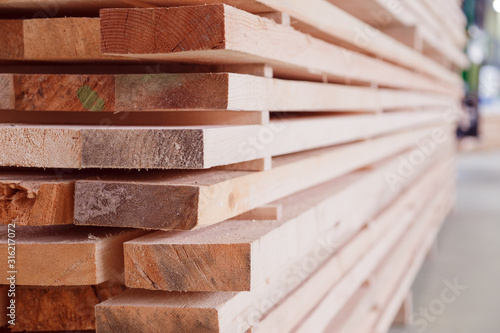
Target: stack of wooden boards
276 166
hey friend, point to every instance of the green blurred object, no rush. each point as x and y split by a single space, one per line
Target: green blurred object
483 26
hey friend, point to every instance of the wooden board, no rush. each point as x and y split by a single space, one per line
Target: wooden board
313 18
393 297
199 147
32 197
247 259
321 297
66 255
57 39
387 275
320 318
195 92
353 315
205 312
60 309
38 199
382 14
217 37
187 200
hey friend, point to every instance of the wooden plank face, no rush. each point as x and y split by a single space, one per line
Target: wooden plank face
35 200
54 39
64 92
172 92
193 147
179 22
178 205
218 38
67 255
60 309
234 254
233 193
11 39
192 92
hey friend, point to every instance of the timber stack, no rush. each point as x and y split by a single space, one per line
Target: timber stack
223 166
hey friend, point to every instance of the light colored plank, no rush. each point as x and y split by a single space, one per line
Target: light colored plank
278 17
410 270
45 198
353 314
226 25
199 147
206 312
405 312
187 200
260 252
195 92
313 18
384 13
327 292
66 255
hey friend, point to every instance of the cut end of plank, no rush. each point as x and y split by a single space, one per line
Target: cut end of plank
162 311
101 204
125 31
36 202
176 267
60 309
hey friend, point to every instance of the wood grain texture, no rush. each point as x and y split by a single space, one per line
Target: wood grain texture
391 296
410 239
187 200
217 37
313 18
35 199
242 255
353 315
314 303
67 255
7 94
11 39
193 147
219 311
192 92
382 14
54 39
62 308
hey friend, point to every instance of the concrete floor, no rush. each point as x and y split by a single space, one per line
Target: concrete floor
468 254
